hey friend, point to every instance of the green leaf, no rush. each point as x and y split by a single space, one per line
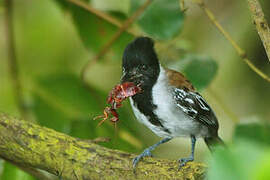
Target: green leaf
12 172
65 4
259 133
200 70
161 20
223 166
38 38
240 162
96 32
61 99
62 4
262 171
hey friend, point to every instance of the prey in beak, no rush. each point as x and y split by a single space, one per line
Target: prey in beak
115 98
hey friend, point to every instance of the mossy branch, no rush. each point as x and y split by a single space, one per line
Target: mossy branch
31 145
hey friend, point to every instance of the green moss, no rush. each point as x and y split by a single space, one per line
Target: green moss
31 145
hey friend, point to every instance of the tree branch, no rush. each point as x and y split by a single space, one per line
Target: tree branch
33 146
238 49
101 14
261 24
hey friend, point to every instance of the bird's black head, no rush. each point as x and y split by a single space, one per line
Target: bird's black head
140 63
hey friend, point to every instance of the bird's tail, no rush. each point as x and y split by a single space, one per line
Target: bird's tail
214 141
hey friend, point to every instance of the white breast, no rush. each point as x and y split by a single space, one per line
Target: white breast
172 117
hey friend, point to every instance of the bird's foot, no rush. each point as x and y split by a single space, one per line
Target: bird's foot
183 161
145 153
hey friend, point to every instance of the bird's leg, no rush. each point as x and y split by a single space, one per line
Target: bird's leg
183 161
147 152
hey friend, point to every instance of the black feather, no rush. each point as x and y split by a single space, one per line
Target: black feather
140 52
214 141
199 110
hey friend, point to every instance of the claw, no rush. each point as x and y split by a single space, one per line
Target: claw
145 153
183 161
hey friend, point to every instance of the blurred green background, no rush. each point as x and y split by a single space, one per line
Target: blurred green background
54 39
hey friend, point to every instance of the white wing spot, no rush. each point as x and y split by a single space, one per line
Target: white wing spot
201 102
189 100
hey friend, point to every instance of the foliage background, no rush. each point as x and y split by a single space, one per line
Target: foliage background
55 39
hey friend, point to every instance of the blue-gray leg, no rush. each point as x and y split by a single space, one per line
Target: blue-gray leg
183 161
147 152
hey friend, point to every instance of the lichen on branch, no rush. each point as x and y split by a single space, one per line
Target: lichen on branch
261 24
33 146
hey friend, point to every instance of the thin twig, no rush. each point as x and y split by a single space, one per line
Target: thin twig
101 139
12 60
101 14
239 50
261 24
183 8
122 29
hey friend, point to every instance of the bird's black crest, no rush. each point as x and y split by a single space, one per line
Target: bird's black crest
140 51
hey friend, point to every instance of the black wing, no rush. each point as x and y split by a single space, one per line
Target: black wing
195 106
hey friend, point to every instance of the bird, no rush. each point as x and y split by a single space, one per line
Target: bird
168 105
